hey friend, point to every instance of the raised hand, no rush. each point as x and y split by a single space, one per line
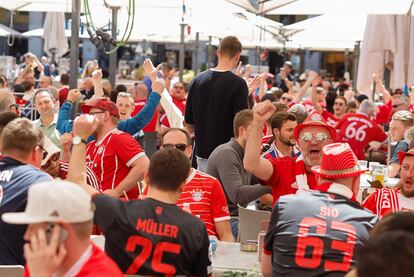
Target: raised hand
254 83
85 125
73 95
312 75
150 70
66 142
239 69
263 111
97 75
157 86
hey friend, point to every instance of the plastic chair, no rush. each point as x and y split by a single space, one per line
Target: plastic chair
250 223
11 270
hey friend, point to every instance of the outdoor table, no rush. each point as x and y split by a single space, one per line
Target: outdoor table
229 260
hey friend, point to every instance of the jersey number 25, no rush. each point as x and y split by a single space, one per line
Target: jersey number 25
156 262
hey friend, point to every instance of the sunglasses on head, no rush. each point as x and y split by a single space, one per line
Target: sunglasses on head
286 99
179 146
319 137
53 158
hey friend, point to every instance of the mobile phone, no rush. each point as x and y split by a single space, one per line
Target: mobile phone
49 230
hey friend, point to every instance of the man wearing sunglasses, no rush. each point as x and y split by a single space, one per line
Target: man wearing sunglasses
58 167
287 175
23 152
203 195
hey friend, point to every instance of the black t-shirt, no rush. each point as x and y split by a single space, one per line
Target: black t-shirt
149 237
15 180
213 100
316 234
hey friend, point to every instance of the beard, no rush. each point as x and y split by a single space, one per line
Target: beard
287 142
407 193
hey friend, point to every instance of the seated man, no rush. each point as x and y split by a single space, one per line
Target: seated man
144 237
284 144
401 198
60 216
226 164
400 123
203 195
318 233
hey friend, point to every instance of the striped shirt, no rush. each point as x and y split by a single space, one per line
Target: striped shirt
111 157
385 200
204 197
91 178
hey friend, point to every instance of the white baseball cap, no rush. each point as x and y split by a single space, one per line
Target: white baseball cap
55 201
51 149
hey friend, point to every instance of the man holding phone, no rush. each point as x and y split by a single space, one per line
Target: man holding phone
60 218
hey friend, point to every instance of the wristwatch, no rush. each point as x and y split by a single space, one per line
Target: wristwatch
77 140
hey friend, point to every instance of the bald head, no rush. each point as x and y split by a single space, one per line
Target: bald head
141 92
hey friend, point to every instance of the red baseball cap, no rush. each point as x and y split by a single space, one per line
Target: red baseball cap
402 155
101 103
314 119
338 161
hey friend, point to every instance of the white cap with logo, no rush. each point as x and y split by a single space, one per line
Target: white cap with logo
55 201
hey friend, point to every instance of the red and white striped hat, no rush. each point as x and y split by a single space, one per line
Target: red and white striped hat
338 161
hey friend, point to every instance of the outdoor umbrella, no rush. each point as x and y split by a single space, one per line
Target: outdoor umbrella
387 42
55 41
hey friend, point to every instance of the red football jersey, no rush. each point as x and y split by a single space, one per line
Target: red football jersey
205 197
180 105
358 130
330 118
283 179
111 158
152 125
384 114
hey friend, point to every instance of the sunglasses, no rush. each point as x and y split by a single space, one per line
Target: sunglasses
286 99
319 137
53 158
179 146
44 151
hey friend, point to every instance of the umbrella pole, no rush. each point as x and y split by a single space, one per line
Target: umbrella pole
113 56
74 45
182 53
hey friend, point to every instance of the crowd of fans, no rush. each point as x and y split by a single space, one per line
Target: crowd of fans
160 166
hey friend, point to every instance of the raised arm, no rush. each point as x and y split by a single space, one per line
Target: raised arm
302 91
315 101
83 127
97 83
64 123
381 88
260 167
